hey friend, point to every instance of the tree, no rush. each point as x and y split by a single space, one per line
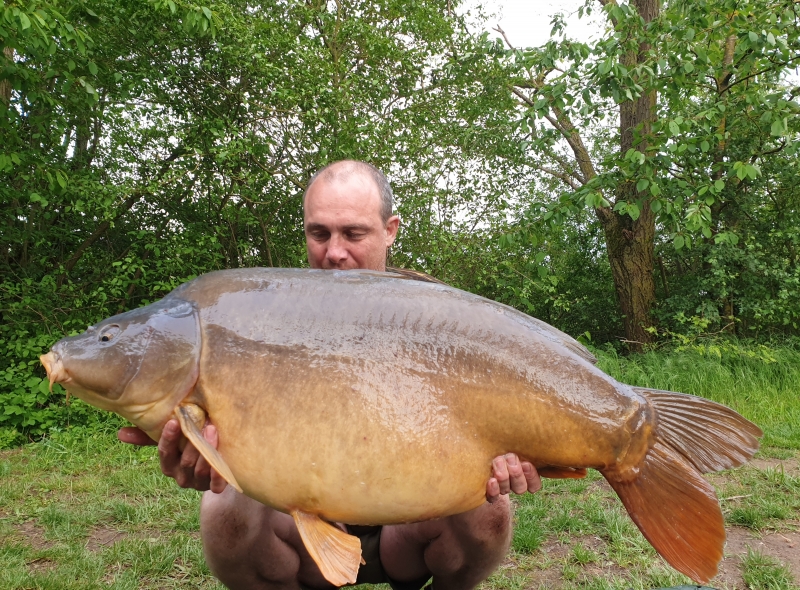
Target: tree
686 83
146 143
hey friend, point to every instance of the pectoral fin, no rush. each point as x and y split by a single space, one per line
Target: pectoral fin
191 418
337 554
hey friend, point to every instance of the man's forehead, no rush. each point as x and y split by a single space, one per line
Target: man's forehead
352 191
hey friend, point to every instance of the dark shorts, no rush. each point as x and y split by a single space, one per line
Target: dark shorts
372 571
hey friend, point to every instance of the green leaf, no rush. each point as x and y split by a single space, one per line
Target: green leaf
777 127
655 190
642 184
688 67
741 172
207 12
655 206
753 36
24 21
540 256
93 68
678 241
674 128
542 271
704 146
719 185
707 232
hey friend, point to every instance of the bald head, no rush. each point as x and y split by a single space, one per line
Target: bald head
342 171
347 217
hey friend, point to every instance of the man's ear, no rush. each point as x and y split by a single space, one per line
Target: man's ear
392 224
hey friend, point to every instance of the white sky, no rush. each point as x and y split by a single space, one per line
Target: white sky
527 23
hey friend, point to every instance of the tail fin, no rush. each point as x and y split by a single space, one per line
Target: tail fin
674 507
712 437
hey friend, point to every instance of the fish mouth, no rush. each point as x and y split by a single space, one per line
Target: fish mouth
55 368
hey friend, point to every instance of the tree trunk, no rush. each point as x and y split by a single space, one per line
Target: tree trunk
5 85
630 251
630 242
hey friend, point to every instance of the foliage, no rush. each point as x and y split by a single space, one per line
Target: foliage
712 165
147 143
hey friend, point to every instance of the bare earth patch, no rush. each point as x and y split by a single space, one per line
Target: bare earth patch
785 547
32 534
790 466
102 537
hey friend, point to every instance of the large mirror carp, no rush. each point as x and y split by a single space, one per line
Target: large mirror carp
368 398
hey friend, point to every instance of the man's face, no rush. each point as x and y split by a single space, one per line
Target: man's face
343 224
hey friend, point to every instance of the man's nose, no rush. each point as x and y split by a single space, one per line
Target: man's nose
337 252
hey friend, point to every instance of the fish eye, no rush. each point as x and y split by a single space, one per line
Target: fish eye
108 334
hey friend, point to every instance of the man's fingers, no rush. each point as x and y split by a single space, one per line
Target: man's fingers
500 473
492 490
135 436
534 482
517 481
169 453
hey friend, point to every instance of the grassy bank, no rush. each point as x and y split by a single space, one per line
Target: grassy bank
78 510
761 383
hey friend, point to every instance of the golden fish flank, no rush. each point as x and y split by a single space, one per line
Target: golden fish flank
364 379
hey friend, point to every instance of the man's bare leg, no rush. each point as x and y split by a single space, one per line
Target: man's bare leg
460 551
251 547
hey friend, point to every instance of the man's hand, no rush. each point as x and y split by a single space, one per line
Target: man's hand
188 467
511 475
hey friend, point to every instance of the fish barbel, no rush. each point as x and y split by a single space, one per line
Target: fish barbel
334 392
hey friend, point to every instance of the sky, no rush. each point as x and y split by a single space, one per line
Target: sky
527 23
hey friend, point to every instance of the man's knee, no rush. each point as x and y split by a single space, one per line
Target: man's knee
473 544
225 522
240 544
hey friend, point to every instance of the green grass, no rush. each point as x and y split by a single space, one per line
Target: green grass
762 572
81 510
78 510
763 384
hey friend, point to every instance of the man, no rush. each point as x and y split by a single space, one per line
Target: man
348 224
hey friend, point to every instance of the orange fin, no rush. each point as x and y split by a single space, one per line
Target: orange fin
710 436
337 554
191 418
676 510
561 472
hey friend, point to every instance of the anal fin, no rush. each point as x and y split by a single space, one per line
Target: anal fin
676 510
191 418
337 554
561 472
